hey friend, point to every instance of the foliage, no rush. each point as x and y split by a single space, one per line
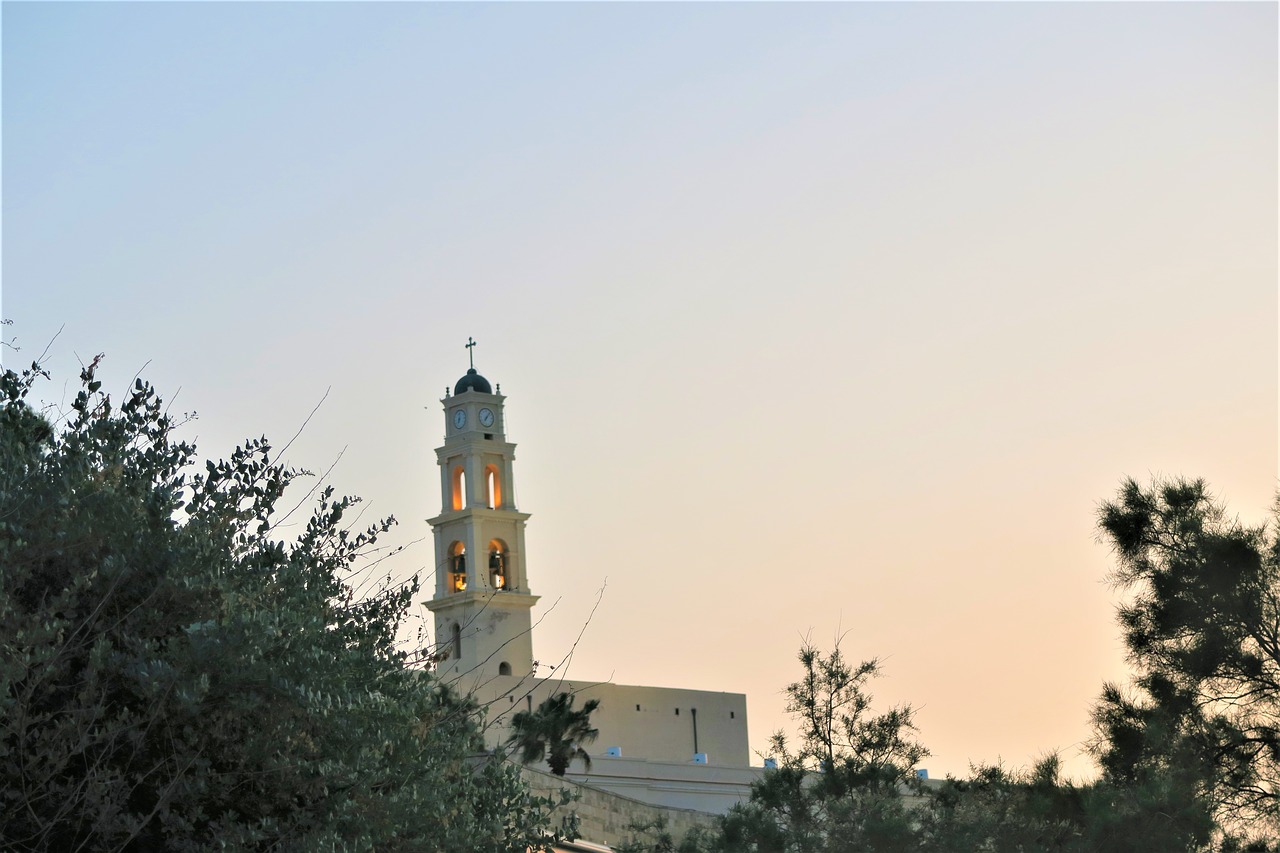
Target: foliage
556 731
1036 810
174 675
842 789
832 704
1201 729
988 811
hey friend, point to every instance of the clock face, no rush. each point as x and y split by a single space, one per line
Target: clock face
459 418
486 417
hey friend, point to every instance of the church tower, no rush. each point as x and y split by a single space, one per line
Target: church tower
482 601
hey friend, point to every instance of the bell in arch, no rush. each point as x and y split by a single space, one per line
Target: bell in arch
459 572
497 569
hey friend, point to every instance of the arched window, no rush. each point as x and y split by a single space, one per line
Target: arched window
498 577
457 564
457 641
459 487
504 668
493 486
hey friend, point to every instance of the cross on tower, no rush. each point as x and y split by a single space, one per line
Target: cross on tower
471 352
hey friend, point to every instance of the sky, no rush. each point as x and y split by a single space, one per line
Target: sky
833 321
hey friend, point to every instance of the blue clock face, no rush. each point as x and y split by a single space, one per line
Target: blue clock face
486 417
459 418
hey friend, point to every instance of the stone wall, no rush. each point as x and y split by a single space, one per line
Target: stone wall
604 817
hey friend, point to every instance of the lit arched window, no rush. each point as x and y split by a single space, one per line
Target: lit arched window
457 567
459 487
493 486
498 577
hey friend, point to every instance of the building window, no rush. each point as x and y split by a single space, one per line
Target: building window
677 712
504 668
731 715
457 641
493 486
459 487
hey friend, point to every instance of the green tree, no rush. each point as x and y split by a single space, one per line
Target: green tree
1200 731
999 810
555 731
176 675
842 788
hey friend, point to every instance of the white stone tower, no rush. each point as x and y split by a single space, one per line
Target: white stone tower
482 601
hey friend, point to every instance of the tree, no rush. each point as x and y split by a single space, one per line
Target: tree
176 675
1201 729
555 731
842 789
999 810
831 703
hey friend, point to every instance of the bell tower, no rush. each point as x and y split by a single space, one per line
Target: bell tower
482 601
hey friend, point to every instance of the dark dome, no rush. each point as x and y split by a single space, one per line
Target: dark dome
473 382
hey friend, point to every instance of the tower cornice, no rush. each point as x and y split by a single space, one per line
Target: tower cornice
483 598
479 513
452 444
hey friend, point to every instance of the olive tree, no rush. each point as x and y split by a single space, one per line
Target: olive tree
177 674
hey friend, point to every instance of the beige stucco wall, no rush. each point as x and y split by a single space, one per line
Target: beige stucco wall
653 723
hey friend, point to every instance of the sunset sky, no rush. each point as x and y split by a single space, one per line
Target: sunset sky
813 319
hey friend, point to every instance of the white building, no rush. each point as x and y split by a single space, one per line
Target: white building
665 746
